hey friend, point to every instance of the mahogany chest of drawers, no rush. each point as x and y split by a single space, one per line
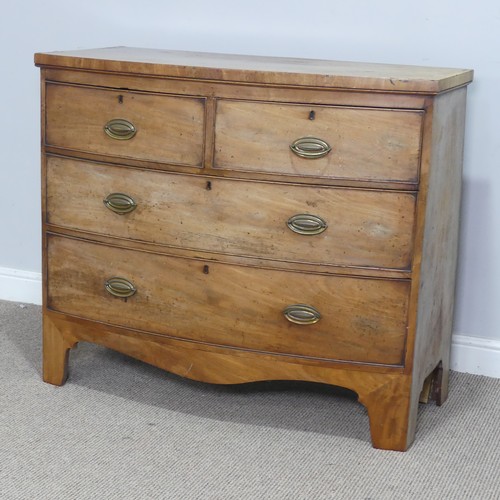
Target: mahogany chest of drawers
235 219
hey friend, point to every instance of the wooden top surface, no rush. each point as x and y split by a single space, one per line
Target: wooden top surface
261 70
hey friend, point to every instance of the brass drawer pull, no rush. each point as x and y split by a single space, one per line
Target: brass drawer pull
306 224
120 203
310 147
120 287
302 314
120 129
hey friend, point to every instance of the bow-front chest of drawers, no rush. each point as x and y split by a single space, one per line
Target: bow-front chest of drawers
234 219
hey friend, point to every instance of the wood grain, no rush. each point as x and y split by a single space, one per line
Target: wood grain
365 228
384 394
56 346
208 249
257 137
235 90
262 70
169 129
437 271
362 319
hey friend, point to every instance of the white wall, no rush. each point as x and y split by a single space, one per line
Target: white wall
451 33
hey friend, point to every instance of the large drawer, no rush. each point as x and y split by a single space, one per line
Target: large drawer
267 220
168 129
362 320
366 143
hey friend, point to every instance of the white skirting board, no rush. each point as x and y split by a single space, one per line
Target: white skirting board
20 286
475 355
468 354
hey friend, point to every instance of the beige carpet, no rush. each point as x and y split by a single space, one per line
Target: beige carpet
122 429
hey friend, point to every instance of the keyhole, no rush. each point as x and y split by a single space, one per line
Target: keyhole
120 99
206 269
209 185
312 115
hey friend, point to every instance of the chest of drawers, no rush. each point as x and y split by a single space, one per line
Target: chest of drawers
235 219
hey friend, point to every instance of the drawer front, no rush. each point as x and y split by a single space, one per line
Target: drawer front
366 144
256 219
126 124
362 320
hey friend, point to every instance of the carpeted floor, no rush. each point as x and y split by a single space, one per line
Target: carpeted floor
120 429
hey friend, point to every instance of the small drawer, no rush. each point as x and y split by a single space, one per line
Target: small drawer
364 144
316 225
152 127
331 317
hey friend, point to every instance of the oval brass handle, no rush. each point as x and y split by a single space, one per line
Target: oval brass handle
120 203
120 129
120 287
310 147
306 224
302 314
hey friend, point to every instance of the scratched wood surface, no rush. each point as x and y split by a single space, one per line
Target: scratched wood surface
262 70
362 319
365 228
209 305
257 137
169 129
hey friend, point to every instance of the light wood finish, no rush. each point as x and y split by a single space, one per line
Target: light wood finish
438 259
261 263
257 137
363 320
207 246
261 70
56 348
169 129
365 228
